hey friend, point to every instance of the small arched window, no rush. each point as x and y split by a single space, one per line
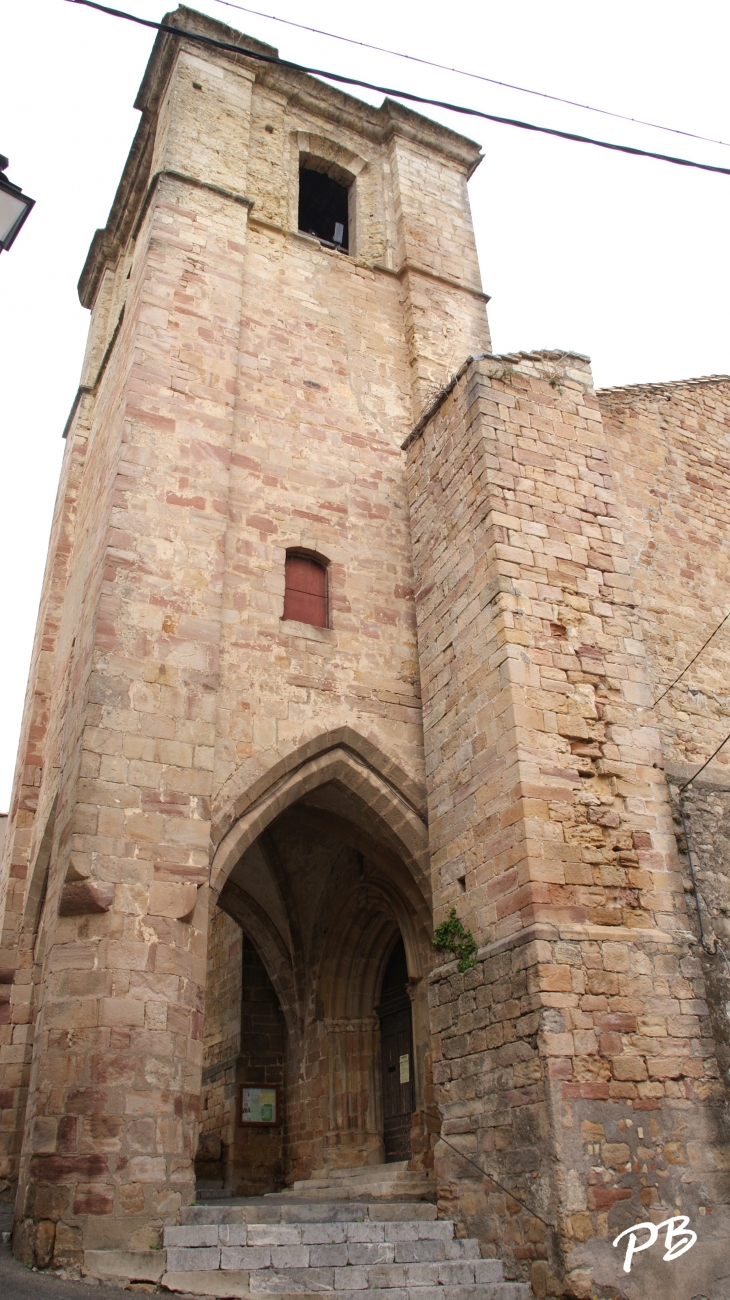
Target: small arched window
324 208
305 590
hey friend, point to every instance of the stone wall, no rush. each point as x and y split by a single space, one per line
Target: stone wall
258 1155
706 830
221 1047
245 1041
669 446
576 1061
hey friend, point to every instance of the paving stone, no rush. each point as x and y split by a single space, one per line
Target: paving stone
328 1255
420 1252
351 1278
322 1234
191 1214
214 1283
290 1256
397 1213
370 1252
371 1231
181 1260
248 1257
440 1230
292 1280
233 1234
410 1230
275 1234
379 1276
193 1235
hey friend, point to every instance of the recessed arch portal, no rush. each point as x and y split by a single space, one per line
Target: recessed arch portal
375 801
323 890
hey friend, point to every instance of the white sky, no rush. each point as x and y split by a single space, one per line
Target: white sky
621 258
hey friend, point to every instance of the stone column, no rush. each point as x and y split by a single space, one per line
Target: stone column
575 1060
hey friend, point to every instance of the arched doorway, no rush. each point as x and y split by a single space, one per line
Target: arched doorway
319 948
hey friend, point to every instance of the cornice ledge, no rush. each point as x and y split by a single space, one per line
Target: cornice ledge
417 269
105 248
167 172
567 933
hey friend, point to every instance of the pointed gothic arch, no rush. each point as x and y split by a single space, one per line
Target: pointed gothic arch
388 805
363 820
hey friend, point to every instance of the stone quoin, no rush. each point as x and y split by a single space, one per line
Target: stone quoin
233 832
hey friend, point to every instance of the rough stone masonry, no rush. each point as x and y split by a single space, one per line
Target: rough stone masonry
224 822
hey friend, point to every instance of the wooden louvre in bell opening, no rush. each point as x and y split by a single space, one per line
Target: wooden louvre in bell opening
305 590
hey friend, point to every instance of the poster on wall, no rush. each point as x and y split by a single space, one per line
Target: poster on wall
259 1106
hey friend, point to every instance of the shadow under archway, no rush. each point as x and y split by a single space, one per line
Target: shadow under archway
322 901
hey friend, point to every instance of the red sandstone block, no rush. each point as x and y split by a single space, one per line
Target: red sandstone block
603 1198
56 1169
86 1101
560 1067
595 1089
93 1200
619 1023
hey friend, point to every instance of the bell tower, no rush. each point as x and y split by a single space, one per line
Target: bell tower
286 278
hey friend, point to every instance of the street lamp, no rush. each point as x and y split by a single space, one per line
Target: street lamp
14 208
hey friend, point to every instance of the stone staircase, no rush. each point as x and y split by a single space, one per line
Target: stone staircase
289 1248
391 1182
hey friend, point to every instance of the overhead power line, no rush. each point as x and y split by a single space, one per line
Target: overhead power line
475 76
705 764
693 659
229 47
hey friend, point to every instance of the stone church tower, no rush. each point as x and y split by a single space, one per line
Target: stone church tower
331 641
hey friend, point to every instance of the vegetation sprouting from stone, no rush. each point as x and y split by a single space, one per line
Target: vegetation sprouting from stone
451 936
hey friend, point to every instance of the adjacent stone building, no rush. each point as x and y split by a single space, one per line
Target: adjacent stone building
333 640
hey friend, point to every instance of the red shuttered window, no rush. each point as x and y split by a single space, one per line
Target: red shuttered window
305 592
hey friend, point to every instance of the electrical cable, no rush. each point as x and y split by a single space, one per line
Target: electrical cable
475 76
501 1187
705 764
689 665
229 47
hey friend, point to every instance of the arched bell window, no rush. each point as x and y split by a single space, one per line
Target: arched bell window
324 207
305 590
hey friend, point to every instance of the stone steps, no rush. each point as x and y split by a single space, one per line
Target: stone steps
389 1182
283 1208
289 1249
393 1181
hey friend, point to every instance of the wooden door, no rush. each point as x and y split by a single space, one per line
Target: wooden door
396 1047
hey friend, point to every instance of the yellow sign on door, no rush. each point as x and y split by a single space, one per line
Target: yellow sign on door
405 1068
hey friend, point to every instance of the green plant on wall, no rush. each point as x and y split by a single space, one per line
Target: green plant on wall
451 936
